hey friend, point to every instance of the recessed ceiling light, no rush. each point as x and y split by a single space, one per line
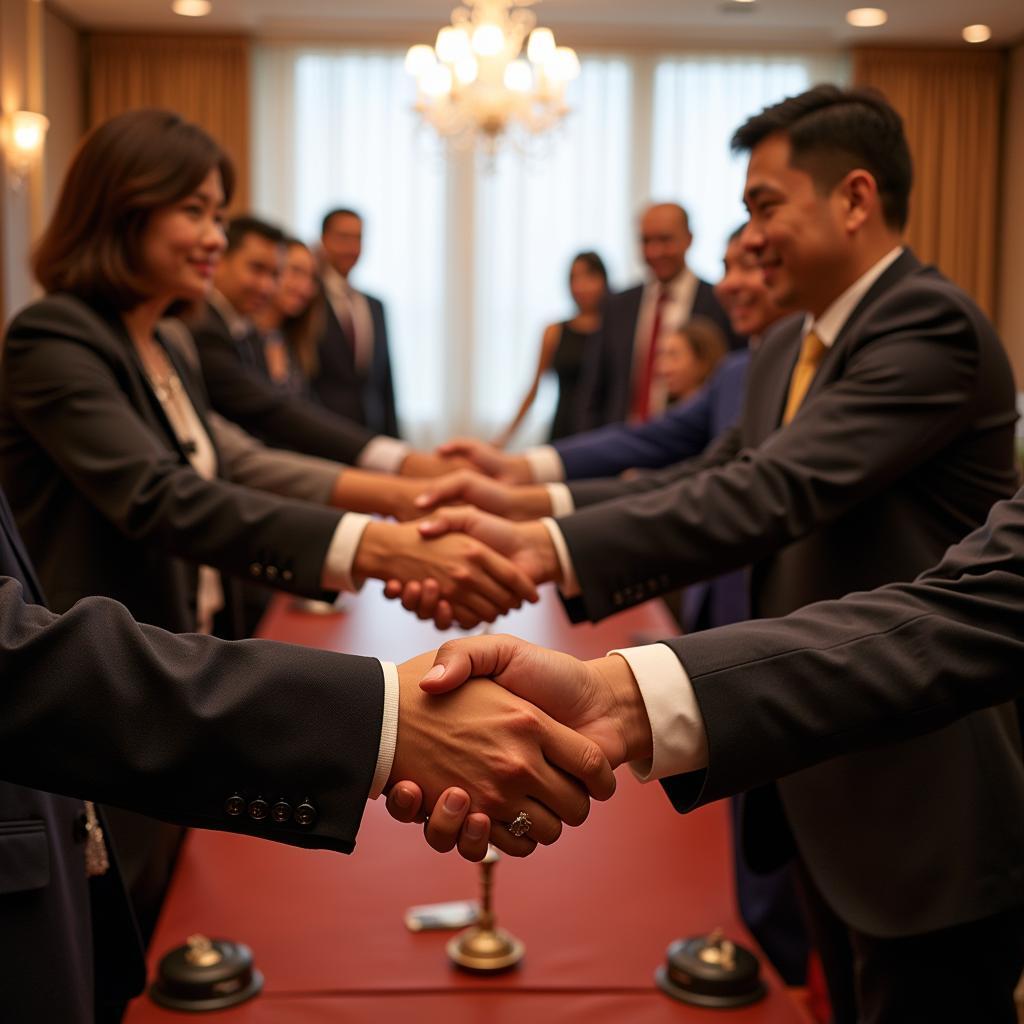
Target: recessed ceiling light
866 17
192 8
977 34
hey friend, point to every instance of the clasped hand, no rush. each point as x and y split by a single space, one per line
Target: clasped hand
538 738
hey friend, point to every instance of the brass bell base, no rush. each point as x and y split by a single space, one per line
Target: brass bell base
485 950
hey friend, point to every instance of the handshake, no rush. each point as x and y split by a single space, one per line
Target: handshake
471 559
506 742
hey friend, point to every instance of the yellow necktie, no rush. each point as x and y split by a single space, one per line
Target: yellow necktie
811 353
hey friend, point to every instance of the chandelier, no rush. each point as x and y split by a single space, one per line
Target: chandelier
490 72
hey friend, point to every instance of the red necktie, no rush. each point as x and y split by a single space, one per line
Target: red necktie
641 410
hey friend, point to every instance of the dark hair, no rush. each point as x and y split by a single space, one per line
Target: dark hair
240 227
833 131
123 171
341 211
593 263
303 332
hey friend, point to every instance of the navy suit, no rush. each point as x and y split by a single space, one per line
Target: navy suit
365 397
606 381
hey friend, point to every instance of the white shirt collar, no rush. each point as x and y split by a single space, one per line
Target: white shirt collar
333 281
682 285
831 322
238 325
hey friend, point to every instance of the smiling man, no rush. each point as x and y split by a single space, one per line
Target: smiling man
877 431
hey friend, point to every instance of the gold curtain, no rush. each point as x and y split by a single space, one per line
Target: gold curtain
951 104
203 78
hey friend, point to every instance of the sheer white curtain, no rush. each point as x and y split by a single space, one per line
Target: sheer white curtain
532 215
337 128
471 258
699 101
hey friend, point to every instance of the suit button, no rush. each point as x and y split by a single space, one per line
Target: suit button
287 575
234 805
259 809
305 814
256 570
271 572
281 812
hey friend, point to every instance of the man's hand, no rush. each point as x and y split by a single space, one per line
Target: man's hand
476 582
509 469
600 699
470 488
424 464
359 490
527 546
507 755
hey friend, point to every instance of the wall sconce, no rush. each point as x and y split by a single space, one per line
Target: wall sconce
23 140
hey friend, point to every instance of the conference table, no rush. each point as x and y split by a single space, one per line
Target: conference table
596 911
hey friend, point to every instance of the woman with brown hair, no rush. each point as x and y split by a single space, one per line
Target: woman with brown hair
292 323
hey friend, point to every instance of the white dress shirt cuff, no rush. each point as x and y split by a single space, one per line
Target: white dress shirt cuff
570 585
383 454
561 499
388 731
677 726
341 553
545 464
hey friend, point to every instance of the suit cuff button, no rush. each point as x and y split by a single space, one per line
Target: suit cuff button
259 809
271 572
305 814
256 570
234 806
281 812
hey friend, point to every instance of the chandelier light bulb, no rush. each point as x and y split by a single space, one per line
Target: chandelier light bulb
563 65
866 17
541 45
519 76
488 40
452 44
436 82
419 60
977 34
466 69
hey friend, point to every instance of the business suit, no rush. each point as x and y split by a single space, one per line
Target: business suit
606 381
240 389
902 445
79 698
366 396
102 489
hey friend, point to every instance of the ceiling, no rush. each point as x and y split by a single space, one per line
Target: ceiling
675 23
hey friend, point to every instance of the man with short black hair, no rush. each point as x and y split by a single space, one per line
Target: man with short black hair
354 378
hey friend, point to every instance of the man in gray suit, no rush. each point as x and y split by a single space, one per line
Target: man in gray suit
877 431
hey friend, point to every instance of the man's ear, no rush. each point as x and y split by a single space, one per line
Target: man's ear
858 195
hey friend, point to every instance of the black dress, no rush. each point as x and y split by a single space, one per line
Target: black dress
568 364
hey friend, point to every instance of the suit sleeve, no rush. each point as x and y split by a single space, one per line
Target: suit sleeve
239 393
905 393
94 705
778 696
718 453
682 431
69 402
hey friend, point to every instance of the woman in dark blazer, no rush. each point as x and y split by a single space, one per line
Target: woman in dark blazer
110 460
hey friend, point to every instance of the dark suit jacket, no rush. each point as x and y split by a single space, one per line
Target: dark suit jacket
605 389
103 493
902 446
780 695
240 389
365 398
93 705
